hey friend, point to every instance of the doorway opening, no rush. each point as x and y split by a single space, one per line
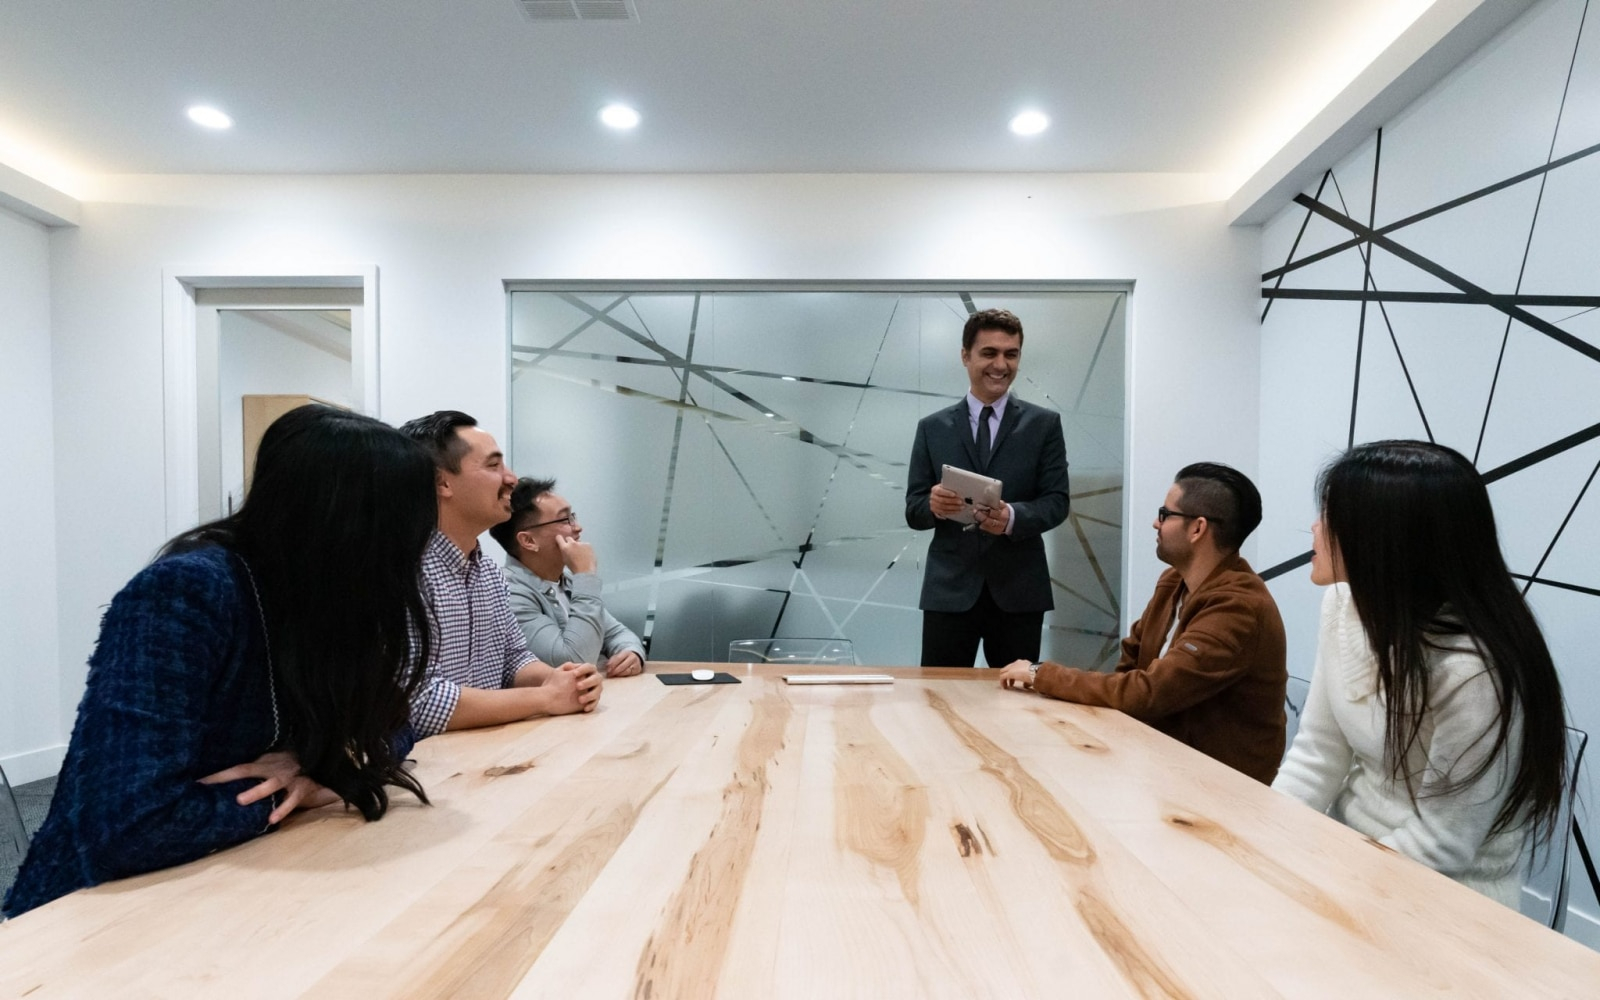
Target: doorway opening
242 350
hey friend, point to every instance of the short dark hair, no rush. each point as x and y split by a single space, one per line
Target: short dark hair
1225 497
436 432
524 509
1003 320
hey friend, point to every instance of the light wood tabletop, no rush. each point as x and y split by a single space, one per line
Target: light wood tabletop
937 837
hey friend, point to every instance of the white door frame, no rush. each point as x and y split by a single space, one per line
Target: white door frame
180 373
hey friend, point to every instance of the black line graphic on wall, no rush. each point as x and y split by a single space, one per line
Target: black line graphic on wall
1368 238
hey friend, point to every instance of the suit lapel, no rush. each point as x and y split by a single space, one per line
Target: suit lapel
962 418
1008 423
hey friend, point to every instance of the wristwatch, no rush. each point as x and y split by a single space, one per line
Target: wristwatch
1033 674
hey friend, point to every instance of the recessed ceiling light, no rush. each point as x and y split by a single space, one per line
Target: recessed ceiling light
619 116
203 114
1030 123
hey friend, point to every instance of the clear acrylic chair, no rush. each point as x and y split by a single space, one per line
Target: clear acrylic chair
1294 702
792 649
1549 867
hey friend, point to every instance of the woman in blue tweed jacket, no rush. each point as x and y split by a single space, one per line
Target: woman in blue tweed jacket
260 665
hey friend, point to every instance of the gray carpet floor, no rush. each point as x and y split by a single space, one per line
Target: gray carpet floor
34 801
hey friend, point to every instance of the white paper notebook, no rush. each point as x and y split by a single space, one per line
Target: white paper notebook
838 678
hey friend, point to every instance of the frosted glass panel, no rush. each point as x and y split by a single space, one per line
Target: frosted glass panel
740 456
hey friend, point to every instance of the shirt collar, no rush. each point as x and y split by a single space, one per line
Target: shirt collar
533 579
975 406
442 548
523 573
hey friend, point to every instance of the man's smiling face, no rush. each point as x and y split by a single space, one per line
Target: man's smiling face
992 362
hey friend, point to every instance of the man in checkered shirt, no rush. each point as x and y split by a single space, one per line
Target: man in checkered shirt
480 672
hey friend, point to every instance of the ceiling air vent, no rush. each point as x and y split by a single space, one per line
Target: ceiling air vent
579 10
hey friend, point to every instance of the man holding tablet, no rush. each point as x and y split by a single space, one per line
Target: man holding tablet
987 581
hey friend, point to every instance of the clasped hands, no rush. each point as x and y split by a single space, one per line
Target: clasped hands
571 687
947 503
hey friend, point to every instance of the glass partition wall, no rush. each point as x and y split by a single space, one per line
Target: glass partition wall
738 453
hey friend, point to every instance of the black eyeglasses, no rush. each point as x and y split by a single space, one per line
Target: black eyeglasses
570 517
1164 512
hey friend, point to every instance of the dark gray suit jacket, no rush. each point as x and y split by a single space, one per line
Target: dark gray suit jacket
1029 457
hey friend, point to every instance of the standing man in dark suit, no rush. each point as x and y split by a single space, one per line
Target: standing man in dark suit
988 582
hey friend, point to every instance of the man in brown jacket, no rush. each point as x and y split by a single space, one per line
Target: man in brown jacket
1205 662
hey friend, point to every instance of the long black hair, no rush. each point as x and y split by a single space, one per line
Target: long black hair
1414 527
332 532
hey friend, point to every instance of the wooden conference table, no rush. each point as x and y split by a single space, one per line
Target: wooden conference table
934 838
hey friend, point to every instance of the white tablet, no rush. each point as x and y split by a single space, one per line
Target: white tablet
974 490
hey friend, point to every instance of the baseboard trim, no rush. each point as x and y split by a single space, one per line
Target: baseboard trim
34 765
1581 927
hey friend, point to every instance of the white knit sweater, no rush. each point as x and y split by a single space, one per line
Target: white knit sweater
1336 763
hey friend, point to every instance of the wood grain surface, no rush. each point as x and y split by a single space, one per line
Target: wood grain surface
938 837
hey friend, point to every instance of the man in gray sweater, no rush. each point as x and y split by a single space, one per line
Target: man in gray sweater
555 587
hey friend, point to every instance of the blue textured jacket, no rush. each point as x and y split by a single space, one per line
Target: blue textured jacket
177 690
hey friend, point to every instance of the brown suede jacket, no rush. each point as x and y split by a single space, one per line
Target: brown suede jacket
1220 686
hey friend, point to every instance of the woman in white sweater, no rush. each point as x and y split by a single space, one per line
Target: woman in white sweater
1434 720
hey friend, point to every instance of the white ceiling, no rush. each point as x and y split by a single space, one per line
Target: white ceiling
469 86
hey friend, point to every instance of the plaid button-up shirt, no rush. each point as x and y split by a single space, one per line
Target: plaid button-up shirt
476 641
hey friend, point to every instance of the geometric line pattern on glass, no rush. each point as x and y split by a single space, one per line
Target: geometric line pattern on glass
688 368
1109 592
1094 564
833 474
1105 330
677 363
672 474
1065 588
776 427
749 488
837 610
867 595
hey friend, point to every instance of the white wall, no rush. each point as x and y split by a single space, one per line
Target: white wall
1499 114
256 358
444 244
30 692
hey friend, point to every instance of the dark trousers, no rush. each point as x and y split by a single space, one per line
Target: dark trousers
950 638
